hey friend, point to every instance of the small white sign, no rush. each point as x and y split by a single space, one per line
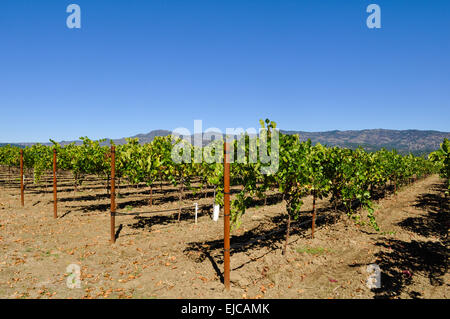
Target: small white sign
196 211
216 212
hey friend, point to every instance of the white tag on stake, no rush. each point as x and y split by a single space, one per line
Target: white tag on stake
196 210
216 212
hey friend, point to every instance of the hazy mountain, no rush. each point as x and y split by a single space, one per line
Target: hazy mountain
12 144
404 141
144 138
415 141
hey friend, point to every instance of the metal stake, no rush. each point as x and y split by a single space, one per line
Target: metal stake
226 219
22 199
113 194
55 199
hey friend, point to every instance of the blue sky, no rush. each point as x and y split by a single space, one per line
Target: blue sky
135 66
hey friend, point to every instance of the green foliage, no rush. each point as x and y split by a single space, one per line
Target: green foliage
348 176
442 158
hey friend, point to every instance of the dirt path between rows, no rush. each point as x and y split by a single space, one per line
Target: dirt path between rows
157 257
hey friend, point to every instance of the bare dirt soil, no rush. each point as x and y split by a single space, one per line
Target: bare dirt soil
155 256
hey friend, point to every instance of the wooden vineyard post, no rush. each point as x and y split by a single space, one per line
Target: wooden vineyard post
22 199
55 197
314 214
113 194
226 217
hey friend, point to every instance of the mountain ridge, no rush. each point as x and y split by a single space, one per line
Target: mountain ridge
404 141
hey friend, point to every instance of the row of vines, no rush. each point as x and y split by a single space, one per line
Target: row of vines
351 179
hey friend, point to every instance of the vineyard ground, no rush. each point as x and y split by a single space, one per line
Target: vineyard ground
157 257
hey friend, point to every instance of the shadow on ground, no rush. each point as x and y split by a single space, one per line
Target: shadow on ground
401 260
404 260
269 234
187 214
436 221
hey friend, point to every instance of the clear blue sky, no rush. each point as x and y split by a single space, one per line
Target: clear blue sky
136 66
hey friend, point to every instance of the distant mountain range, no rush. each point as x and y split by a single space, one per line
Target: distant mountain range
12 144
404 141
